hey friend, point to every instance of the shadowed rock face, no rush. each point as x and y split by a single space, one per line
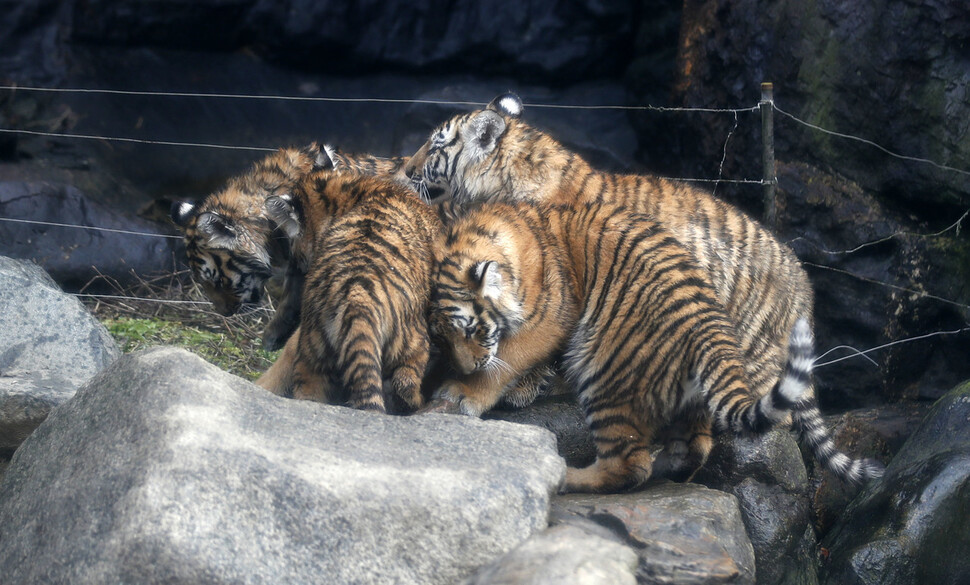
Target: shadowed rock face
911 527
890 71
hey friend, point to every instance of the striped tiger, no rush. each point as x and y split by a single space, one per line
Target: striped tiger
232 246
369 246
492 155
642 336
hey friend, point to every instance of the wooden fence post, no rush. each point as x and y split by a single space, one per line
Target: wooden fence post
768 153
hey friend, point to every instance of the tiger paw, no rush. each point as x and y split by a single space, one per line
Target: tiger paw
275 336
457 393
439 405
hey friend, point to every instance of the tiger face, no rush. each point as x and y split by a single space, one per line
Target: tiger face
230 260
470 313
231 241
457 155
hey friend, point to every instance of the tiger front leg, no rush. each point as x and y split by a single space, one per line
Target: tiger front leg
478 392
287 316
529 387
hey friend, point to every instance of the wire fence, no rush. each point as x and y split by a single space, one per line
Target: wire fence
955 227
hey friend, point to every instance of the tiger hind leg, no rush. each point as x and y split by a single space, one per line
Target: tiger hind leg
406 378
278 379
687 444
312 383
623 457
612 473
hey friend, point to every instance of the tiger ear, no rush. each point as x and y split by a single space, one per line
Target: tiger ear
507 104
219 230
182 212
282 212
483 131
322 156
489 279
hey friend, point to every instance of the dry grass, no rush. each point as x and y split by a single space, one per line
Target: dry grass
172 310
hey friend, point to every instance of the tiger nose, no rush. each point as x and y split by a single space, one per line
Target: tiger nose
411 172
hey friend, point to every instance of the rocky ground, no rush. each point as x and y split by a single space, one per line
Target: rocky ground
159 467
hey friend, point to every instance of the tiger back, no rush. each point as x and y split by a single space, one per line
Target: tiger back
232 246
640 331
370 250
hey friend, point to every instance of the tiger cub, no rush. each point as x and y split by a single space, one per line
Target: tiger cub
492 155
369 244
643 338
233 247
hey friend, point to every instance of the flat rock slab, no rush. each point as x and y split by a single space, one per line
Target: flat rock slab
684 534
165 469
50 344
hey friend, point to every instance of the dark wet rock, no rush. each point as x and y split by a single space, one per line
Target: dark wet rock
164 468
910 527
49 346
876 433
74 257
556 41
779 524
562 555
773 458
683 533
890 71
32 35
767 475
562 415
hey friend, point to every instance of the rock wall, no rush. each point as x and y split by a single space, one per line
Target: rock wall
893 72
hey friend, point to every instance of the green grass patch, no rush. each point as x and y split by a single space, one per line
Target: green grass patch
173 310
238 355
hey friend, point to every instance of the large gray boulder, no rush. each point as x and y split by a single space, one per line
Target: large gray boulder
49 346
911 526
683 533
166 469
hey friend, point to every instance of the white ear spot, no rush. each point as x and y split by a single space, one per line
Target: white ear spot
511 106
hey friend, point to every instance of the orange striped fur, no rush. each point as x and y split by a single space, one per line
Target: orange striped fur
369 248
642 336
233 247
491 155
